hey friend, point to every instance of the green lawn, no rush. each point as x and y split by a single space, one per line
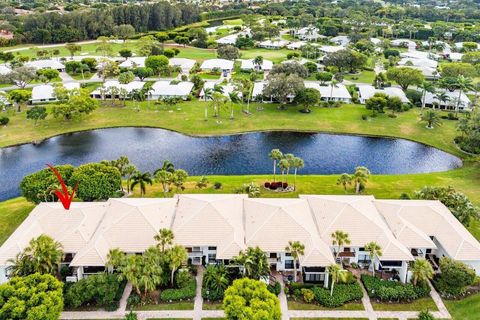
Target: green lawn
363 77
328 318
212 305
276 56
186 305
465 309
299 305
196 53
12 213
416 305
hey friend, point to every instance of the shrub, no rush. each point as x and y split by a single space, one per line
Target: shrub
308 295
364 117
182 279
454 278
217 185
275 288
102 290
393 291
4 121
186 293
284 185
342 293
38 183
425 315
267 185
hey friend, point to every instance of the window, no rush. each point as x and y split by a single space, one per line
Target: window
212 257
314 277
288 264
288 254
273 255
212 248
364 258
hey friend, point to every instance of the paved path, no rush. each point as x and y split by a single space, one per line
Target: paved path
439 302
367 304
283 298
198 304
124 299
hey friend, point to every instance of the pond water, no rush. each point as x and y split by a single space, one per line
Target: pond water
223 155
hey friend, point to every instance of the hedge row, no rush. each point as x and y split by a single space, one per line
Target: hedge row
186 293
102 291
342 293
393 291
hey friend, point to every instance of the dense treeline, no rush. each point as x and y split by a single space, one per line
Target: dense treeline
92 23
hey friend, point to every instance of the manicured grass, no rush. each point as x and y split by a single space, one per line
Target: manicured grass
212 305
276 56
416 305
12 213
363 77
465 309
328 318
196 53
233 22
299 305
187 305
171 318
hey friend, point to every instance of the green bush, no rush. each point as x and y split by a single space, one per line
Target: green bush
186 293
275 288
102 290
308 295
96 181
35 186
4 121
454 278
393 291
342 293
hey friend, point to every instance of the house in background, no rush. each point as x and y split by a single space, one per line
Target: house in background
46 92
185 64
115 89
249 65
366 91
165 89
225 66
46 64
272 44
226 88
453 98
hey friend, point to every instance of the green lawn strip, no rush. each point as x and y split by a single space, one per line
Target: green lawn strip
173 318
276 56
214 305
328 318
195 53
186 305
299 305
365 76
464 309
415 305
12 213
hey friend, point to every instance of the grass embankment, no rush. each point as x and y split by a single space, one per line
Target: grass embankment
465 309
415 305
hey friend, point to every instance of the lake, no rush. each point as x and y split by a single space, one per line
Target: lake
223 155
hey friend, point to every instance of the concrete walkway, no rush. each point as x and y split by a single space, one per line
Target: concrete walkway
198 304
124 299
283 298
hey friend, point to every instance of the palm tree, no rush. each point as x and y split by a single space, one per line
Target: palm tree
422 271
254 262
339 239
164 237
165 178
425 86
177 255
207 95
234 98
432 119
360 177
333 84
374 250
290 158
463 84
284 165
345 180
296 249
442 96
335 271
258 62
115 258
129 172
297 163
275 155
218 100
216 279
142 179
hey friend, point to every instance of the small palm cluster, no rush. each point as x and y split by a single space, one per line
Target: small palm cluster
285 162
359 179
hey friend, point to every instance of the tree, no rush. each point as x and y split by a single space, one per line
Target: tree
250 299
202 182
426 86
422 271
258 62
360 178
339 239
125 53
42 255
296 249
47 75
228 52
73 48
254 263
165 178
104 46
20 97
376 103
21 76
126 77
425 315
142 73
345 180
432 119
395 104
289 68
37 113
405 76
297 163
458 203
176 256
462 84
96 181
115 259
123 31
108 69
284 166
308 97
156 63
281 87
78 105
455 277
275 155
324 77
35 296
215 281
164 237
141 179
335 271
456 69
374 251
179 178
345 60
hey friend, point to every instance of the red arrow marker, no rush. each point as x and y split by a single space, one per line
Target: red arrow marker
63 195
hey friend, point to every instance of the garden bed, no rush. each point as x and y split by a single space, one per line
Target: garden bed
420 304
301 305
393 291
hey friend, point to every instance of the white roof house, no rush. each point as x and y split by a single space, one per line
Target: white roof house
226 89
429 63
4 70
221 64
219 226
459 45
296 45
431 99
133 62
267 65
454 56
168 89
230 39
366 91
376 41
46 92
272 44
309 34
185 64
414 54
107 88
340 40
46 64
330 49
404 43
338 92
